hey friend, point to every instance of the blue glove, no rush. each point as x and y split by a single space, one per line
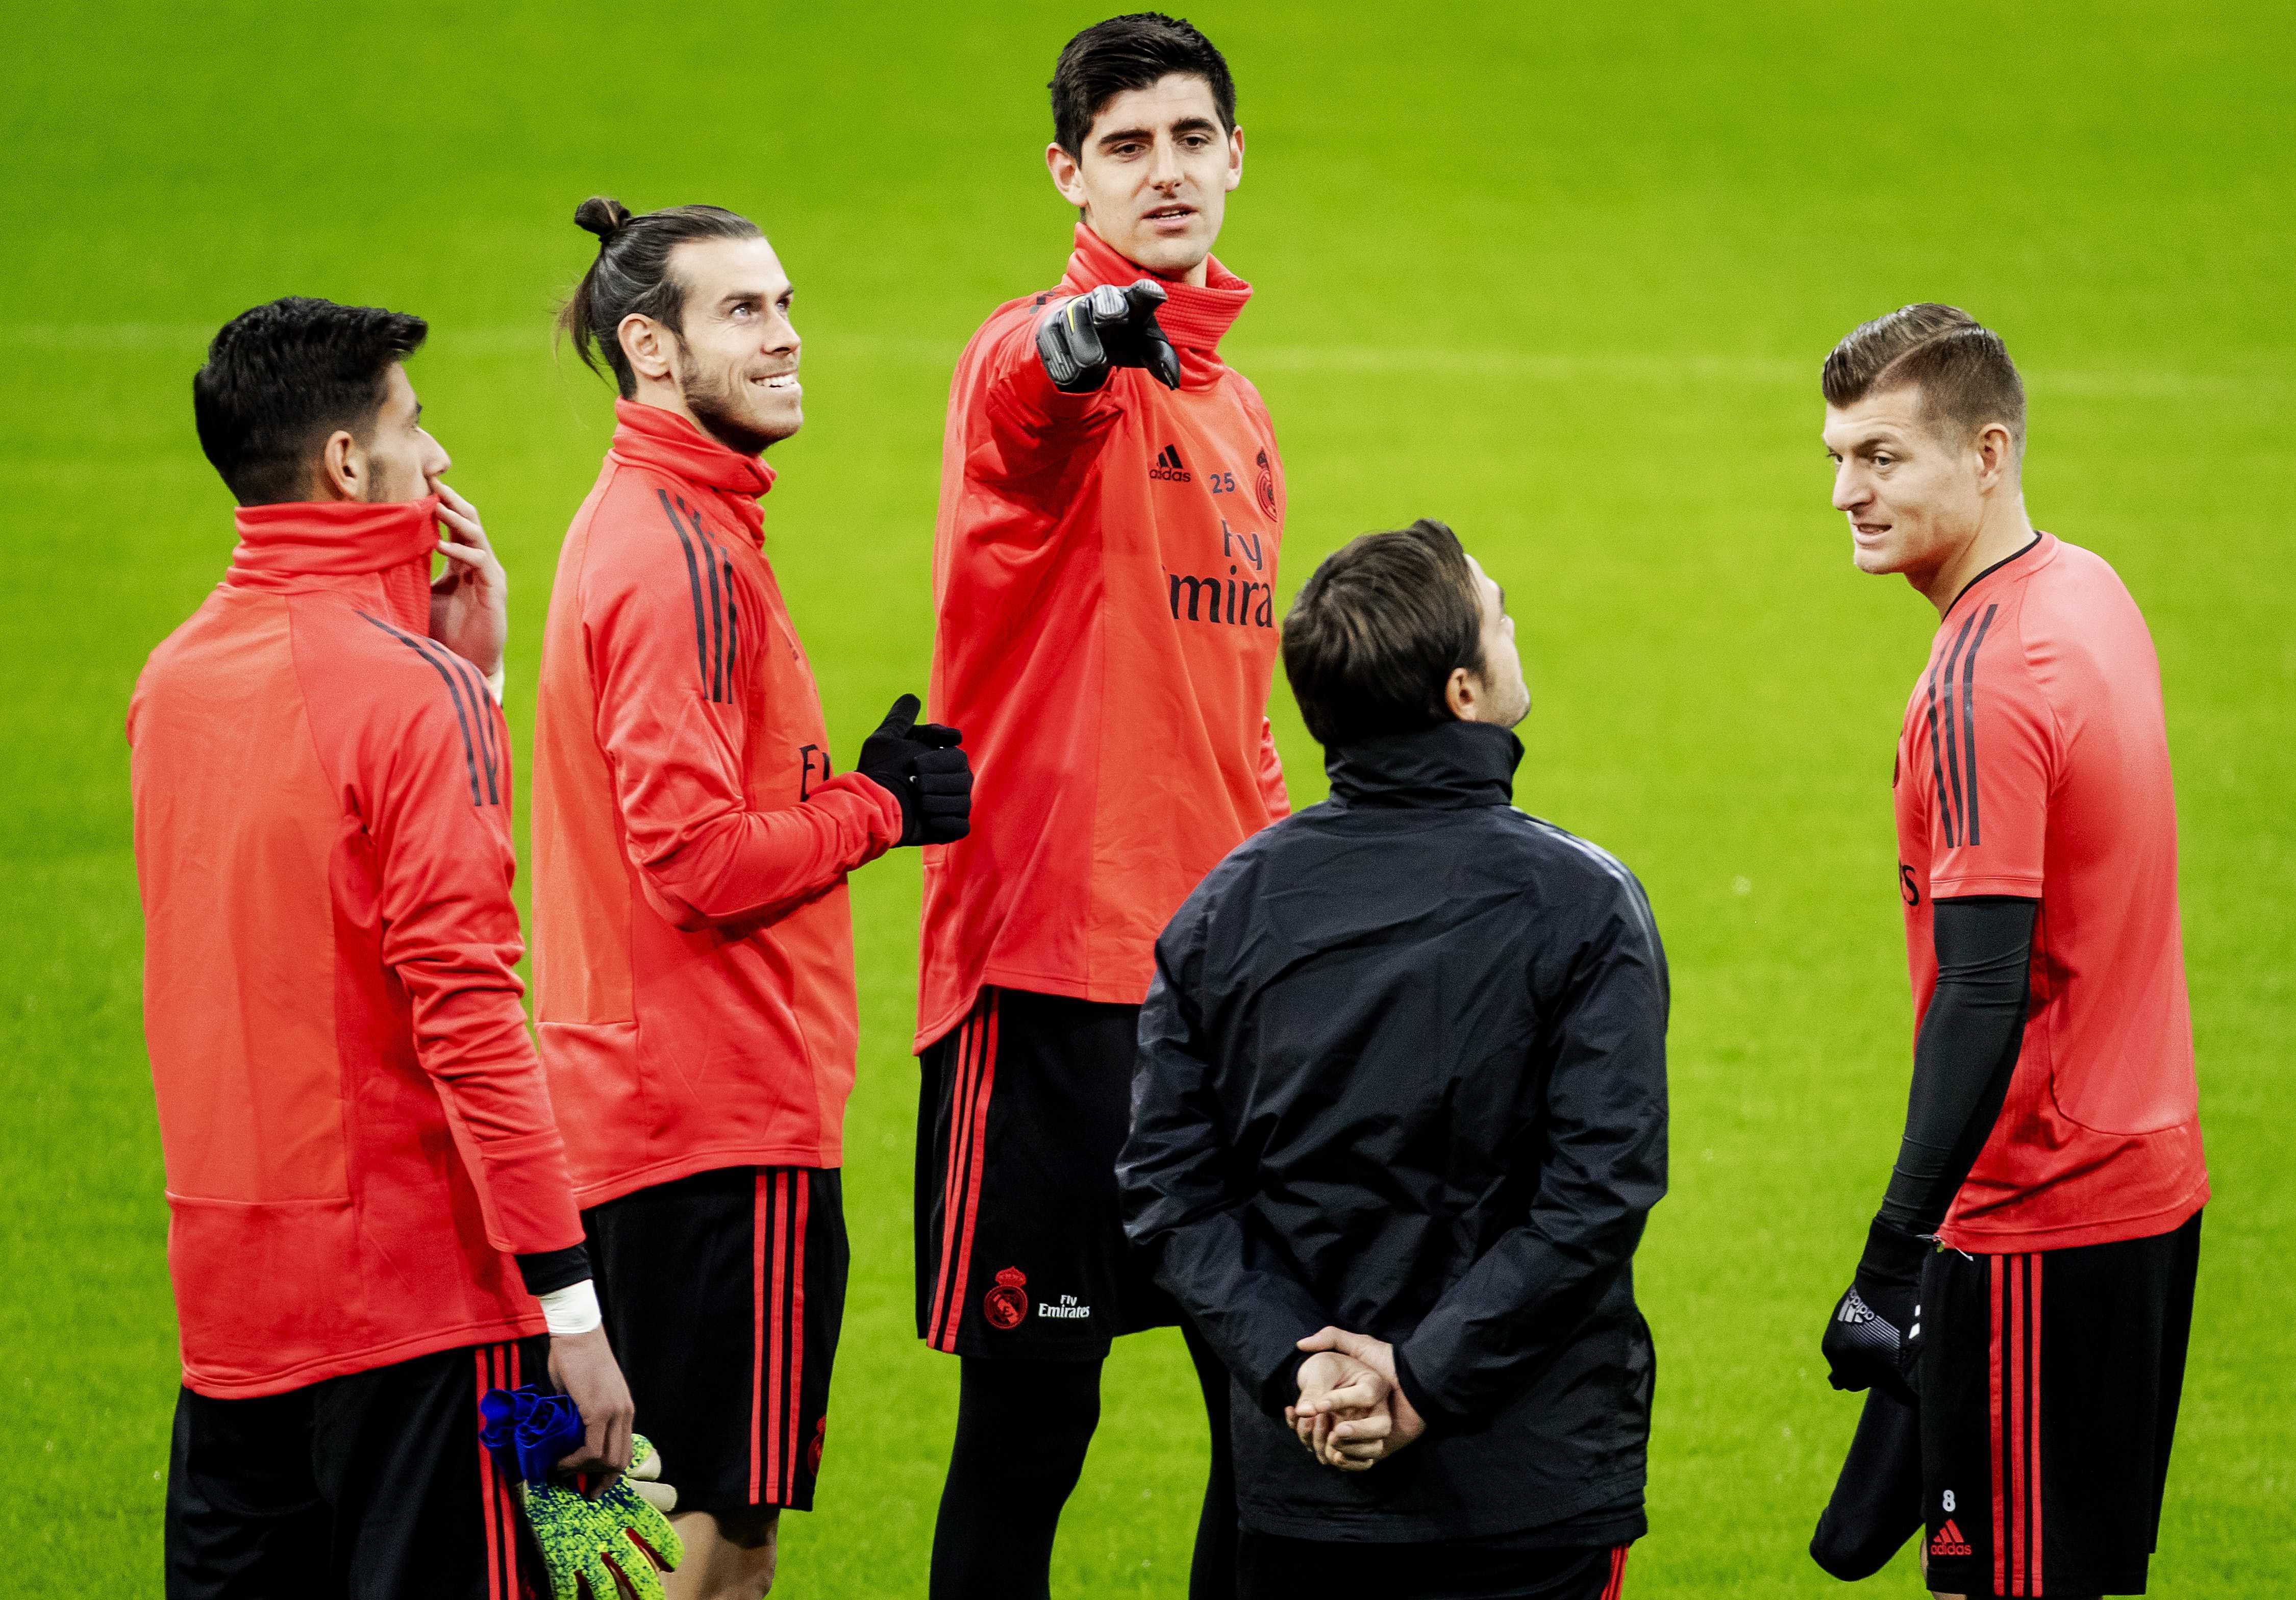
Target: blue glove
595 1548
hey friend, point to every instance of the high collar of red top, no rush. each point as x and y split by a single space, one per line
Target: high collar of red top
1194 319
647 436
303 544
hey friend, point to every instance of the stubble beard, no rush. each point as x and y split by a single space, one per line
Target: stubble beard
718 404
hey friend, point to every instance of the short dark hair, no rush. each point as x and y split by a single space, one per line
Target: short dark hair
1131 52
281 378
1378 629
1961 368
632 274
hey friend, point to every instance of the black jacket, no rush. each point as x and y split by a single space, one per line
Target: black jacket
1403 1070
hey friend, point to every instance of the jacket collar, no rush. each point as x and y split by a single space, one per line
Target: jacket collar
1194 319
1447 769
647 436
316 543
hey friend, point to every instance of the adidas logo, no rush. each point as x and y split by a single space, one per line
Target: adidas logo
1949 1541
1168 467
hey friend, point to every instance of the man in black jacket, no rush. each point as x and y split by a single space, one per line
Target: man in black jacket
1398 1119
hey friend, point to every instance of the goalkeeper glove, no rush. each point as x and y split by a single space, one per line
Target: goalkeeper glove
617 1544
923 766
1080 339
1873 1336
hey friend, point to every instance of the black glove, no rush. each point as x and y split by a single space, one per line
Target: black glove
1873 1336
1078 340
922 765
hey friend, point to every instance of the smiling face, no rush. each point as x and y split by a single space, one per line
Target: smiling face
732 359
1154 173
1914 495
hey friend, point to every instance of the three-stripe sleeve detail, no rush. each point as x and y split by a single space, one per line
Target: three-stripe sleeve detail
968 1129
1969 715
716 618
1953 734
778 1232
473 709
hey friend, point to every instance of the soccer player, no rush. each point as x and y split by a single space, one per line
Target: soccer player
1401 1100
1103 571
2029 1275
691 836
366 1191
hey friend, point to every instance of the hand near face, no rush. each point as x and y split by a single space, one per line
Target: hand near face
470 601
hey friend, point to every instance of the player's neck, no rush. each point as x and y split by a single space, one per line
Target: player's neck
2004 531
1195 277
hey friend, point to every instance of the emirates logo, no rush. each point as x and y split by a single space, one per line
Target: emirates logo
1006 1305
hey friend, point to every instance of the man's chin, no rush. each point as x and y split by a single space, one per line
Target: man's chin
1166 257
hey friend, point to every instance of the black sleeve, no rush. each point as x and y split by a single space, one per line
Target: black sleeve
546 1270
1238 1285
1599 1162
1969 1039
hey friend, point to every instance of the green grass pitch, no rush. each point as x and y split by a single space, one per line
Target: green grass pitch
1560 275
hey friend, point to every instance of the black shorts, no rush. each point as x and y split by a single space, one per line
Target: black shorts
2049 1385
1269 1567
372 1486
1021 1112
723 1293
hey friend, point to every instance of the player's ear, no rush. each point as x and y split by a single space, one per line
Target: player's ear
1996 455
1235 158
1067 172
342 468
644 343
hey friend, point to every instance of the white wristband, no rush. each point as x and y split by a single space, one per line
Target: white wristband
495 681
573 1310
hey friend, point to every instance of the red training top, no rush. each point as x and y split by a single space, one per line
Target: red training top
1104 575
2034 762
694 946
355 1127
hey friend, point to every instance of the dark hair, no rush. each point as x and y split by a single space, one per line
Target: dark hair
1961 368
281 378
632 276
1131 52
1377 631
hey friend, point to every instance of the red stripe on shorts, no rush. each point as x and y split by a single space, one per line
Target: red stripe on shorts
486 1485
2000 1509
980 1141
2033 1429
757 1336
1617 1584
777 1465
2019 1526
801 1186
968 1034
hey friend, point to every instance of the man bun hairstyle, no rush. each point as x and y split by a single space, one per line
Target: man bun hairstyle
1961 368
1378 629
282 377
1131 52
632 276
